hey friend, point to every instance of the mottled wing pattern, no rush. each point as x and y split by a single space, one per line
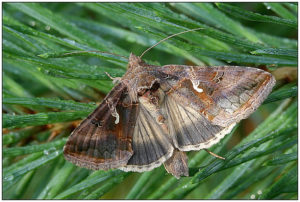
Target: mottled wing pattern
103 140
223 95
151 144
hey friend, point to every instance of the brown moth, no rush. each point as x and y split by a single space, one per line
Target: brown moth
154 114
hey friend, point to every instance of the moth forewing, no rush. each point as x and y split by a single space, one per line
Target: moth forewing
229 93
103 139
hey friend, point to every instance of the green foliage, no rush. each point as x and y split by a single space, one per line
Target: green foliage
48 82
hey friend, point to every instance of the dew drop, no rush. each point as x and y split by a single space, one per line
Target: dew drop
94 67
157 19
47 28
218 26
138 27
82 86
182 15
259 192
32 23
252 196
72 42
17 135
130 39
85 193
46 152
50 150
268 7
9 178
152 41
10 139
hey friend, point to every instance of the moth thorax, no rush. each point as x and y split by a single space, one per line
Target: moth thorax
133 94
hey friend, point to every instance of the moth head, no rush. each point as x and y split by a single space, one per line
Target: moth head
134 61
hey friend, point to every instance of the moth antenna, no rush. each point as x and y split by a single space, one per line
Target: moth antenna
215 155
190 30
96 52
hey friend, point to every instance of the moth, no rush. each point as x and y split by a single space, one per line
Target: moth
154 114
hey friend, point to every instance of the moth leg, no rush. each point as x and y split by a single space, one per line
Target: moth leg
215 155
114 79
